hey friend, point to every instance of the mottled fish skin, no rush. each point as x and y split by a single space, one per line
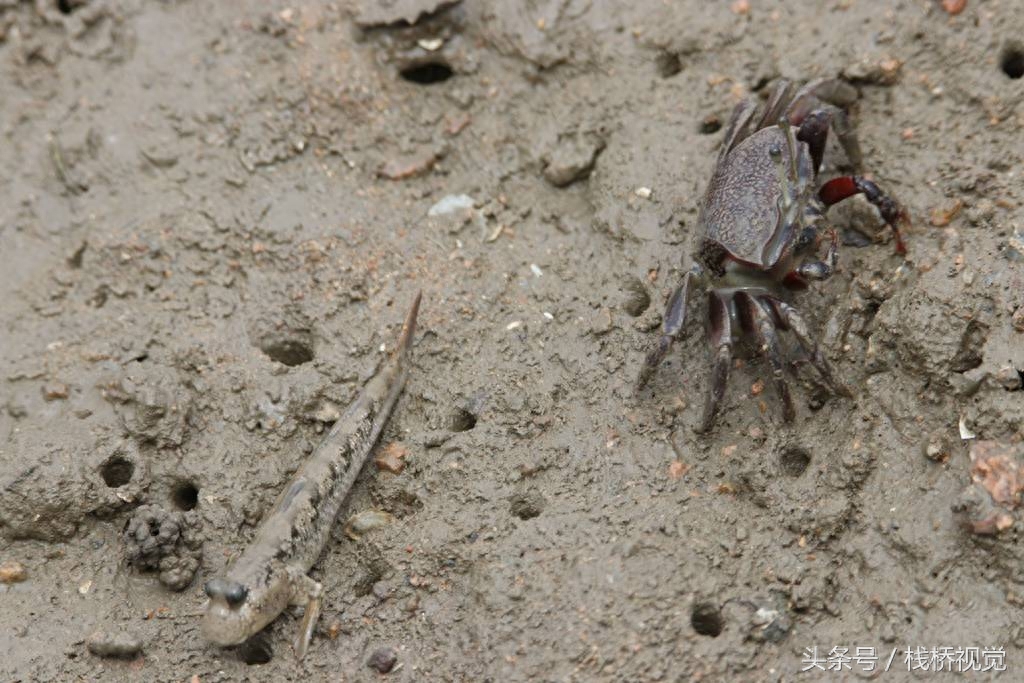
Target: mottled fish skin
271 572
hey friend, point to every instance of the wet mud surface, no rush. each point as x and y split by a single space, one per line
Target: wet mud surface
213 217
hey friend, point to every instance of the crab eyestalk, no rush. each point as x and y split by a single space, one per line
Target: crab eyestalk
787 130
785 199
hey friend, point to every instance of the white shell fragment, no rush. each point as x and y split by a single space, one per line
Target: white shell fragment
965 432
450 204
430 45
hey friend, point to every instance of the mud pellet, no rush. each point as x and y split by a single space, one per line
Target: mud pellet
113 644
383 660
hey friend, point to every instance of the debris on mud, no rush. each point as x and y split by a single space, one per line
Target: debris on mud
391 458
365 522
997 483
572 159
409 166
169 542
12 571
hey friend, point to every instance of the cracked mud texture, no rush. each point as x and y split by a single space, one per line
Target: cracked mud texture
213 215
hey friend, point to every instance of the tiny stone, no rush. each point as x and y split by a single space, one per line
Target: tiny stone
1009 378
383 660
55 391
1018 319
12 572
113 644
602 322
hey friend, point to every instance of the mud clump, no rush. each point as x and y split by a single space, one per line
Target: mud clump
165 541
928 335
116 644
572 159
49 499
997 484
152 404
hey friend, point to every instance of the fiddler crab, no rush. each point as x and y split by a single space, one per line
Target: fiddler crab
763 218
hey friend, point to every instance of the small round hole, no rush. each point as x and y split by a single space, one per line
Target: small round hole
427 74
1012 62
117 471
527 505
256 650
794 461
66 6
290 351
669 64
462 420
711 124
185 496
706 619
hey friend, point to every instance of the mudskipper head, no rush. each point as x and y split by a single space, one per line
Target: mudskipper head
230 618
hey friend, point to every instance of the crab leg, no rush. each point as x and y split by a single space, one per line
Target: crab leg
763 328
844 187
832 97
792 320
672 326
720 338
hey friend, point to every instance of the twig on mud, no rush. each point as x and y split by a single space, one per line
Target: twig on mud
63 173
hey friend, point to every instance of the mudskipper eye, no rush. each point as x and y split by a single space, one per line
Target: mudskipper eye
233 592
236 594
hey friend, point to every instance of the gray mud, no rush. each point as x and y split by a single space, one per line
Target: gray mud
214 215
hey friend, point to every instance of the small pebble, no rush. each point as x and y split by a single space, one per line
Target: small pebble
365 521
391 458
1018 319
12 572
113 644
55 391
1010 379
383 660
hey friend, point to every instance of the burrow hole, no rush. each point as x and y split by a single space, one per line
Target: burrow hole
794 461
117 471
1012 61
67 6
706 619
711 124
461 420
527 505
669 64
185 496
288 350
256 650
428 73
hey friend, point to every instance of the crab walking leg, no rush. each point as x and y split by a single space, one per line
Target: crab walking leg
792 320
822 270
720 339
672 326
844 187
763 328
